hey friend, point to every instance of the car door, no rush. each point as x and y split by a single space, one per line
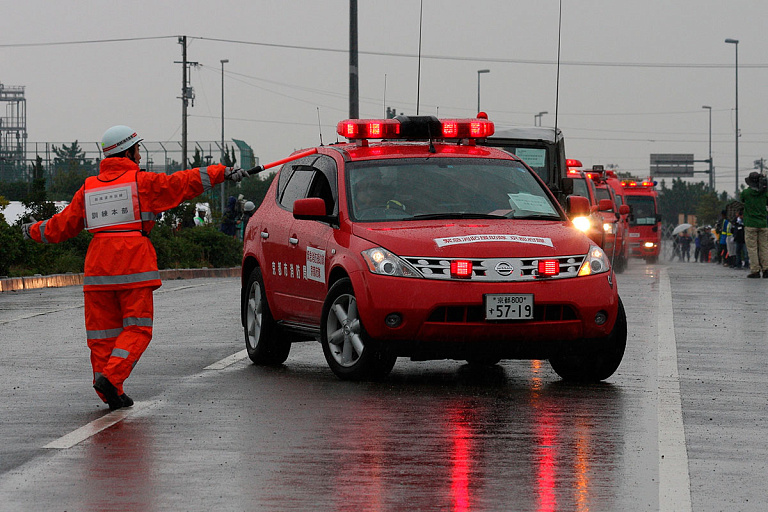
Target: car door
282 267
308 243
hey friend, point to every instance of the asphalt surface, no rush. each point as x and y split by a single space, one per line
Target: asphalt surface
680 426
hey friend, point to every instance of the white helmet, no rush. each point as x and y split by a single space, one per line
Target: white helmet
117 139
249 206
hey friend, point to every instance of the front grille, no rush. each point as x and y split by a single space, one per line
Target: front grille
476 314
494 269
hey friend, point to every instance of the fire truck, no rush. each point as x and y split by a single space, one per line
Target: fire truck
644 219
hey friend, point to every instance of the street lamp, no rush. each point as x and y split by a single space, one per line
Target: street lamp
479 72
735 43
223 61
711 172
538 116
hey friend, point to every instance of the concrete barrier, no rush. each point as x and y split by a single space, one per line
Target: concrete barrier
10 284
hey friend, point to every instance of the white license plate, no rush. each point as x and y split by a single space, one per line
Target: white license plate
509 306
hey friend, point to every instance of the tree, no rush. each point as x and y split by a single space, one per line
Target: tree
197 160
36 202
229 159
69 169
689 198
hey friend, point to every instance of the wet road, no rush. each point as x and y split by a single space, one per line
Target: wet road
680 426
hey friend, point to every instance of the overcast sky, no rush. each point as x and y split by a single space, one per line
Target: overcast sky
634 74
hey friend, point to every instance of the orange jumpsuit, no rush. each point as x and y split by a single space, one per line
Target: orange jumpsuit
121 263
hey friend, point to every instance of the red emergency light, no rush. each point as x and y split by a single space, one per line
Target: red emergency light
634 184
571 162
415 128
461 269
369 128
467 128
548 268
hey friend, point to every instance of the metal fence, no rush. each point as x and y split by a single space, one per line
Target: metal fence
156 157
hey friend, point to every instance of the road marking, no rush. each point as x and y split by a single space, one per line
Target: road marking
228 361
96 426
674 479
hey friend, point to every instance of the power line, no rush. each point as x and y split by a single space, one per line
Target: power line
671 65
90 41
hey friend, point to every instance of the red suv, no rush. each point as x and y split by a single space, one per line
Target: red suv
615 219
413 240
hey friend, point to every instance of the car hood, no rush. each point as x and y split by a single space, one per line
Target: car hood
477 238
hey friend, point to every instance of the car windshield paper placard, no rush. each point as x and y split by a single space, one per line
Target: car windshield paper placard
532 156
315 265
473 239
531 203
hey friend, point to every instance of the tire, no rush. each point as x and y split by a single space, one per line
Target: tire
265 344
594 360
348 350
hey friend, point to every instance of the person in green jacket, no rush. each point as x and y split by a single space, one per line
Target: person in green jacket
755 199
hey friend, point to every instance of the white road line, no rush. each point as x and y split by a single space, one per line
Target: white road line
674 479
228 361
96 426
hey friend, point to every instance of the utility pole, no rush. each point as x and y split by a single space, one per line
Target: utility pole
187 95
354 92
223 61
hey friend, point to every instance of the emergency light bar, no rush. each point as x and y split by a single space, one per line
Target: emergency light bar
415 127
634 184
571 162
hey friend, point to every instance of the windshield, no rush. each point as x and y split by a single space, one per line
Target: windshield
604 193
643 210
580 187
431 188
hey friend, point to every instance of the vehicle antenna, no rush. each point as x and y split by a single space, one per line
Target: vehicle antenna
557 86
385 95
319 126
418 75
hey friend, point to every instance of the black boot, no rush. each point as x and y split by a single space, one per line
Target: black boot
127 401
103 386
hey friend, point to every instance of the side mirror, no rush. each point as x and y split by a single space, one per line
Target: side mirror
604 205
578 206
310 208
624 209
566 185
658 217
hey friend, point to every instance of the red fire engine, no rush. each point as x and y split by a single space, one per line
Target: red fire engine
644 219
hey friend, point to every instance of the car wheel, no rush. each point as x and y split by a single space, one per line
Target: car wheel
350 353
263 340
594 360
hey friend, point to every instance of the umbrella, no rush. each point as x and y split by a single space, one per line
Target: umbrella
680 228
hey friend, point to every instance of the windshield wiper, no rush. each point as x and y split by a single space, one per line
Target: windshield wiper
548 216
456 215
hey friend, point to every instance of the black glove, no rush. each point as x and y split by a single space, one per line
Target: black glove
235 174
25 230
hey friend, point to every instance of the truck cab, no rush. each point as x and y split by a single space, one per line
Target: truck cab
543 149
644 219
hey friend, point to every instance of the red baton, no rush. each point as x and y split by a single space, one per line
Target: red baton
260 168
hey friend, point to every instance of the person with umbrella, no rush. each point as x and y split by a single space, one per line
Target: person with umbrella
685 246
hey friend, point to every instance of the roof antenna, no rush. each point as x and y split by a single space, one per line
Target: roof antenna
418 78
319 126
557 87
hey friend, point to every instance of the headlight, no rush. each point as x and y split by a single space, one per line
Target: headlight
595 263
649 245
582 223
381 261
609 228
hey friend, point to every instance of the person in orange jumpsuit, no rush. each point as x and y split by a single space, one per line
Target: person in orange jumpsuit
120 206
